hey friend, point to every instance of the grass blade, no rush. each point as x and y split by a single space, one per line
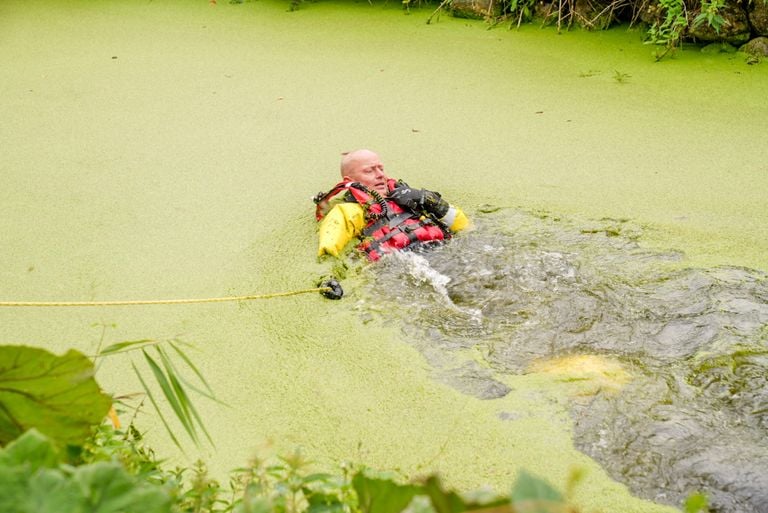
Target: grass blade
171 397
157 408
193 367
125 346
181 393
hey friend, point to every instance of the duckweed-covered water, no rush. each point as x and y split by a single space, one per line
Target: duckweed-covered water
168 149
689 409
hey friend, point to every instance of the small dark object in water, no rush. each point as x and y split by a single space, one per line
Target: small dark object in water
335 291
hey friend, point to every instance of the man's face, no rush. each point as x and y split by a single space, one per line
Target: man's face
369 171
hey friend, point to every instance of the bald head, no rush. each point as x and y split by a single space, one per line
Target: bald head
352 158
364 166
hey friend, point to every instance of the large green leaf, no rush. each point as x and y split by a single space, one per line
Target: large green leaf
13 487
55 394
108 488
534 495
32 449
377 495
448 501
253 504
103 487
49 491
32 480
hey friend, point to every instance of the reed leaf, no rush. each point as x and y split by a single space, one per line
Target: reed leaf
172 398
156 406
186 403
192 366
209 394
129 345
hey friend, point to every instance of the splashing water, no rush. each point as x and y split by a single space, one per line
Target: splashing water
525 288
417 268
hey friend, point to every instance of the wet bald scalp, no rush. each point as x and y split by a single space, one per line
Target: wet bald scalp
353 157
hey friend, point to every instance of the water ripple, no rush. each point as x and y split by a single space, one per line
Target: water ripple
523 288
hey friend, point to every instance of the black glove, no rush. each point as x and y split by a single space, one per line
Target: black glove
420 200
334 289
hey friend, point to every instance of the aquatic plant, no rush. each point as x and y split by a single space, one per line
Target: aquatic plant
61 455
168 368
59 395
710 13
118 474
620 77
668 30
113 470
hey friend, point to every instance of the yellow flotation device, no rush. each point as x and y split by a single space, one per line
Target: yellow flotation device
343 221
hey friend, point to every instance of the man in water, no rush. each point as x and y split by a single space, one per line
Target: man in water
386 214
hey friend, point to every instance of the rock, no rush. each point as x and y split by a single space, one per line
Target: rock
735 30
721 47
475 9
758 47
758 17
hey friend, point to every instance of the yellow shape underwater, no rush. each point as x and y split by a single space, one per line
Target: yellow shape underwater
595 371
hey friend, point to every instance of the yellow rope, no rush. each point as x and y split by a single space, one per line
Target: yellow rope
161 301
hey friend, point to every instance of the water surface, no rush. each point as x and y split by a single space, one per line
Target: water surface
665 367
169 149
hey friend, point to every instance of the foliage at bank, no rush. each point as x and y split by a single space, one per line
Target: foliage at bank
668 22
718 25
59 455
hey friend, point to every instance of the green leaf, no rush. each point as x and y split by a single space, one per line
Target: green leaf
156 406
382 495
170 396
448 501
55 394
49 491
13 488
32 449
103 487
535 493
253 504
28 481
129 345
324 503
181 393
193 367
443 501
327 507
108 488
318 477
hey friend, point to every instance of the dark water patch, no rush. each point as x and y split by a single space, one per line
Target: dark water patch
521 288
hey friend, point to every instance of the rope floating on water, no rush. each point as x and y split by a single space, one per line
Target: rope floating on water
164 301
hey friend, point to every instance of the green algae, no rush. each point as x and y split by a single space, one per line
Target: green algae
169 149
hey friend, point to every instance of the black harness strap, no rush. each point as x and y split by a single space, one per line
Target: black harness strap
389 223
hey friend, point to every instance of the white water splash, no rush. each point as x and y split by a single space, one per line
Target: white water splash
420 270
